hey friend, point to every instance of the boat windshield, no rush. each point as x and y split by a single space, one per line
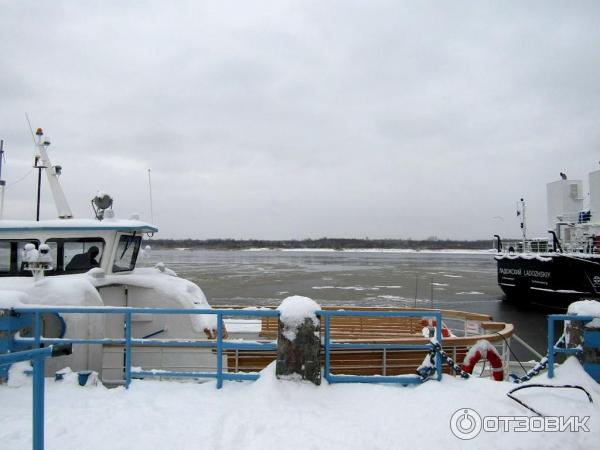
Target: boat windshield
127 252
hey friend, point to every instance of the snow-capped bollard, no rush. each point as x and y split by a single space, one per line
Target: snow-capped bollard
298 340
574 329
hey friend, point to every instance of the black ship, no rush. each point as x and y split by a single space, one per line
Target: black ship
565 268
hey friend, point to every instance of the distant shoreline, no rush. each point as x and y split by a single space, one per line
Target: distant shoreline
333 250
327 245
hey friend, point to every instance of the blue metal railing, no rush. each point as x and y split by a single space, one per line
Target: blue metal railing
221 344
403 379
37 356
33 315
552 347
128 341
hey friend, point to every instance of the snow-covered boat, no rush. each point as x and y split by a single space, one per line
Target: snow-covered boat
92 262
554 272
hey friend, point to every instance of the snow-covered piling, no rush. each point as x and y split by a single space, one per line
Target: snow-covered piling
298 340
585 336
574 329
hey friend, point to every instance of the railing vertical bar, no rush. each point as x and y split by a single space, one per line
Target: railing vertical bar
439 338
550 347
326 368
127 349
37 329
384 371
38 403
219 350
506 355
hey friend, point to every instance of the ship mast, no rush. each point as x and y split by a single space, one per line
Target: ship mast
42 161
521 213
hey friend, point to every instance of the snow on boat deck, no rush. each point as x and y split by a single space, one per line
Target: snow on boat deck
294 415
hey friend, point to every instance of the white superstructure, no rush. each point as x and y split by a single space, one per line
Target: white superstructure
576 224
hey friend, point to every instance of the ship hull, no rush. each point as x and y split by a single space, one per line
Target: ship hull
553 281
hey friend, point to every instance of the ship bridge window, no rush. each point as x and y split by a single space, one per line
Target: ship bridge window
11 257
127 252
76 255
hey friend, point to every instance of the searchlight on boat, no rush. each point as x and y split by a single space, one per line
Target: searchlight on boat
102 204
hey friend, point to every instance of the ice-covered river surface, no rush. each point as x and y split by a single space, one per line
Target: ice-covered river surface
445 280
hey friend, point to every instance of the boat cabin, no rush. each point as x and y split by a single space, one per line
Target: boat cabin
76 245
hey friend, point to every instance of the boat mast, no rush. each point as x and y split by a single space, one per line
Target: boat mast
521 213
2 182
42 161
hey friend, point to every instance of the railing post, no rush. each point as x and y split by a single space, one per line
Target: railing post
550 347
326 369
439 338
127 349
38 402
219 350
37 329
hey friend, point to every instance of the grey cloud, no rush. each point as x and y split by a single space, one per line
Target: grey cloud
303 119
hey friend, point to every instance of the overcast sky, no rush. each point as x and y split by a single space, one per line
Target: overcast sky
279 119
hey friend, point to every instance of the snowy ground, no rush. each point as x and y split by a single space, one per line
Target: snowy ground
293 415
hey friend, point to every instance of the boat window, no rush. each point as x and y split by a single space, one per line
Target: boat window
127 252
4 257
11 257
76 255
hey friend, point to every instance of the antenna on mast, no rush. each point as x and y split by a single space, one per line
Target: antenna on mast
521 213
150 193
30 128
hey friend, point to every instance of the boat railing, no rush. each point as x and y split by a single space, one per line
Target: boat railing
330 345
220 344
465 330
349 353
527 246
543 246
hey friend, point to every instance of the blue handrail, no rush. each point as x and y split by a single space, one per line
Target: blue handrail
37 356
402 379
552 347
128 341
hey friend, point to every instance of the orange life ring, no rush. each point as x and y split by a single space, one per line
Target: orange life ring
483 349
432 323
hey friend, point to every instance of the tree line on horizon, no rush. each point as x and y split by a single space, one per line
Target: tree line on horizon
321 243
